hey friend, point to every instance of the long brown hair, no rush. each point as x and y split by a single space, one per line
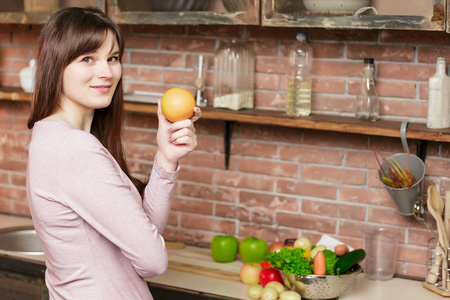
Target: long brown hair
69 33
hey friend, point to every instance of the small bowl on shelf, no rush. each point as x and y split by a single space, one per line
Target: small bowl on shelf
320 286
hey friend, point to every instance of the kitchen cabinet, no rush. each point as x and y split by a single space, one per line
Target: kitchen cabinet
185 12
388 14
38 11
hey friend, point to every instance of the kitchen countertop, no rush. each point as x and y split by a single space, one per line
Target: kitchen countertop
361 288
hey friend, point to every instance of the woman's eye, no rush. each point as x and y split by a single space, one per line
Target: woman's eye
87 59
114 59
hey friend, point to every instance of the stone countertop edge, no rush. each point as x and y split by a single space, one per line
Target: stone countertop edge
361 287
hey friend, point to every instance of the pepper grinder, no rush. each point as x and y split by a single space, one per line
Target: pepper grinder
200 68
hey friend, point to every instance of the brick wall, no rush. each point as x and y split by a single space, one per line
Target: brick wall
282 182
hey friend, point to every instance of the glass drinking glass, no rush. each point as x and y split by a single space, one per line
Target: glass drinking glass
200 68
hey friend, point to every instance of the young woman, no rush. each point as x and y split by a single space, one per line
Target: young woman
100 228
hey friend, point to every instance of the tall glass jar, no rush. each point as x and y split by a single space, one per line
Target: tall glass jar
234 72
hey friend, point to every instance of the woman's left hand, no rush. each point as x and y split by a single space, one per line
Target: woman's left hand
175 140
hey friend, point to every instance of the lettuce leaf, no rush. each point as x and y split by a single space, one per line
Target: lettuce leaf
330 261
291 261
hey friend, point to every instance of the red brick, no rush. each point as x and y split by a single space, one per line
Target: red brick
306 189
412 254
141 74
266 48
4 177
414 37
268 233
420 237
187 44
206 143
141 42
270 100
9 80
209 192
334 209
242 180
257 215
302 221
361 159
156 59
336 68
6 65
139 136
437 167
15 52
386 88
197 175
333 175
20 208
430 54
275 168
179 77
140 151
403 108
192 206
343 35
405 72
416 271
141 121
334 139
276 65
267 82
253 148
328 85
334 103
380 52
270 133
18 179
13 193
311 154
390 216
379 197
5 37
269 201
29 38
196 221
358 228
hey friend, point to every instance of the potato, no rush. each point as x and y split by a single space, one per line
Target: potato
269 293
275 284
341 249
290 295
254 291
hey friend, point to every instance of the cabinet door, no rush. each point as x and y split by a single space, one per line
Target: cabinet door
38 11
357 14
185 12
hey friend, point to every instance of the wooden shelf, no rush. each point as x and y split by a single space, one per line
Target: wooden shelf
279 118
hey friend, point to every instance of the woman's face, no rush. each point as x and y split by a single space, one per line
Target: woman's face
90 80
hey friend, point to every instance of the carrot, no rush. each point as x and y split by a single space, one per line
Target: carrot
340 250
320 267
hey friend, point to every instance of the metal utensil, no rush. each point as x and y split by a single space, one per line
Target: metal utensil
418 210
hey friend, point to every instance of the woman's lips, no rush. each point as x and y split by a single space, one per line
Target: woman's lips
102 88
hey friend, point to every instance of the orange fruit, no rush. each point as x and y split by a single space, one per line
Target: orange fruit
177 104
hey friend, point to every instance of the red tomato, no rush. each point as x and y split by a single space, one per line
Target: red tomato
268 275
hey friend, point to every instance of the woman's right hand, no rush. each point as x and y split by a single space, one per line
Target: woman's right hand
175 140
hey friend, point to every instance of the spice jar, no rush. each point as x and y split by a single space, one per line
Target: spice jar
234 70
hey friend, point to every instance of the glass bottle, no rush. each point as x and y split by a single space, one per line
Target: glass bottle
366 104
234 71
298 101
439 97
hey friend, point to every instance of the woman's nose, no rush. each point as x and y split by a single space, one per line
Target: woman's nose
105 71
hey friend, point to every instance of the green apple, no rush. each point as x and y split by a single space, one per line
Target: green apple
224 248
253 249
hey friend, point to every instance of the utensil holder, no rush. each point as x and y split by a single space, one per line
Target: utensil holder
438 286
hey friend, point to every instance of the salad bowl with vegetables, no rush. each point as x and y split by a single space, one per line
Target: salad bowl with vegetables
319 273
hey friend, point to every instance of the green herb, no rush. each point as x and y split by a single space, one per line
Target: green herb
330 261
291 261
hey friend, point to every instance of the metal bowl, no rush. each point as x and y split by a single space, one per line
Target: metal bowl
320 286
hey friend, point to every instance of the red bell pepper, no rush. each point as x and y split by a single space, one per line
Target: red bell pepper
268 275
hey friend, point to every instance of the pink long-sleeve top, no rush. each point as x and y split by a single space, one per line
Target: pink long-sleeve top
100 237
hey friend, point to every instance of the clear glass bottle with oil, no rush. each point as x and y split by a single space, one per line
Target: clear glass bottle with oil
298 101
